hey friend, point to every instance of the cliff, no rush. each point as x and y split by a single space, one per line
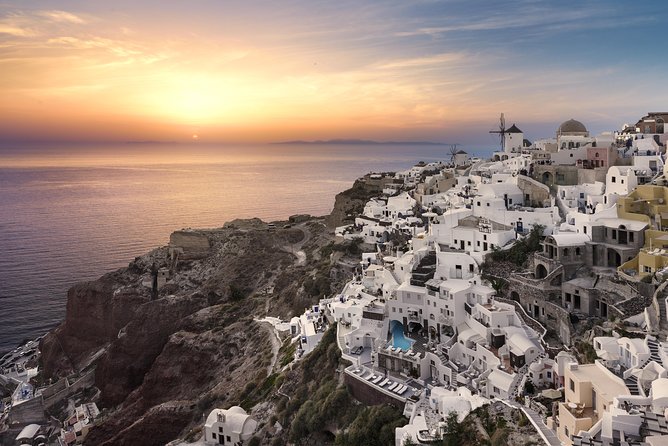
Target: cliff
160 363
350 202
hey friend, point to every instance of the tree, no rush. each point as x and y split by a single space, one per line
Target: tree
498 284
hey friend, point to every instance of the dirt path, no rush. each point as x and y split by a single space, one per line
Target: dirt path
275 344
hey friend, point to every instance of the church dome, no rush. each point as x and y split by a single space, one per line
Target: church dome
571 127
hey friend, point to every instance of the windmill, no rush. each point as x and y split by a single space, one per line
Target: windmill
453 153
502 132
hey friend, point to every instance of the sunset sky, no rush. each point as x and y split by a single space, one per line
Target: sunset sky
309 69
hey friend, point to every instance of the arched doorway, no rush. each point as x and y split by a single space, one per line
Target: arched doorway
547 178
614 259
514 295
541 271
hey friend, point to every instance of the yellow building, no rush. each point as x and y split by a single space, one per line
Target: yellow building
589 391
648 204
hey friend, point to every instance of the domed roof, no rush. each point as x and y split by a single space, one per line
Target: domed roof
571 126
236 409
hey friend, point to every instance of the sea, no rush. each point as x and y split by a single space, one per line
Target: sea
70 213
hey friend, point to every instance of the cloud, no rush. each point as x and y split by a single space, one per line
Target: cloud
15 30
437 59
61 16
115 47
17 25
525 18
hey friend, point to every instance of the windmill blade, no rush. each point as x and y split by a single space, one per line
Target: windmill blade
503 123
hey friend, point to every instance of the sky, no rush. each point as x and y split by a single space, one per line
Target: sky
260 71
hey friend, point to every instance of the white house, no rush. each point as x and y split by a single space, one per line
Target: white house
231 426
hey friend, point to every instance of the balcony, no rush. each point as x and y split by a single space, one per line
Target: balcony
413 316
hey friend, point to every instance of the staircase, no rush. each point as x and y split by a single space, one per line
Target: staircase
663 323
515 386
632 384
654 350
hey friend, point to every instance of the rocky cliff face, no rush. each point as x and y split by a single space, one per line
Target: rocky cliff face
160 363
350 202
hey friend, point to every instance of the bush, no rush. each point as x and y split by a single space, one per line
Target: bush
519 253
374 426
237 293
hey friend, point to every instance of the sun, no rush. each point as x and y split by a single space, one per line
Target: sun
195 137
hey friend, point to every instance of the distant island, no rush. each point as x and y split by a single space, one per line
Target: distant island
364 142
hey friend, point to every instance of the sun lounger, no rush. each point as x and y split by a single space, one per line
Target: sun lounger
402 390
383 382
377 380
398 388
393 386
370 377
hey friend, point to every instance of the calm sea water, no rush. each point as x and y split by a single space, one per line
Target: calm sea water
69 214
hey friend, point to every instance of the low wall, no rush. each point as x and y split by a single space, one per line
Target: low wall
370 395
83 382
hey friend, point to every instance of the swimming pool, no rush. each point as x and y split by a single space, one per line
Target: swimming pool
398 339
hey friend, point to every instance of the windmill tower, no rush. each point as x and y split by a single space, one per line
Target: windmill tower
501 132
453 154
512 138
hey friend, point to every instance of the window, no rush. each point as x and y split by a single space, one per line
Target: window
613 179
577 250
630 236
478 203
213 435
229 440
614 234
622 181
220 429
572 384
469 243
568 297
596 154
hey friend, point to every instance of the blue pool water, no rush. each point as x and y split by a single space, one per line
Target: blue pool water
398 339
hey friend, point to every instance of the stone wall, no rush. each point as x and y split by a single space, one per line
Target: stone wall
85 381
31 411
592 175
556 175
535 193
369 395
541 303
190 244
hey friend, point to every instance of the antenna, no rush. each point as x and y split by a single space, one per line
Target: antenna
502 132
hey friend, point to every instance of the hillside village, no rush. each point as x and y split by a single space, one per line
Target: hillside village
436 322
534 281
